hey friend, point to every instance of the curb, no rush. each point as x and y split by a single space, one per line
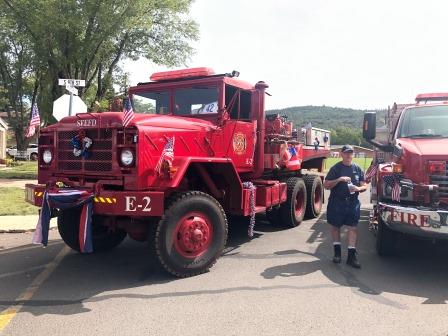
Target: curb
23 230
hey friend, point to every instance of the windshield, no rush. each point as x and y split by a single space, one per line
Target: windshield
157 102
186 101
424 122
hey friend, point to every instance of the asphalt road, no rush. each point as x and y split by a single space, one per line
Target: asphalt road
282 282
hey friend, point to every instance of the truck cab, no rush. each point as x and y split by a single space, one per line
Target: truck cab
410 187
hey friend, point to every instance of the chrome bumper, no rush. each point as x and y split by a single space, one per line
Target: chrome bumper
423 222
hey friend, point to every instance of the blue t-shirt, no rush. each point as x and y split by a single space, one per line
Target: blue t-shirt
341 189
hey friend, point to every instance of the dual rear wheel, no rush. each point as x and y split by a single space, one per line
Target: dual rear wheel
304 199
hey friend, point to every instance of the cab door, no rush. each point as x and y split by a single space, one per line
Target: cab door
239 142
239 132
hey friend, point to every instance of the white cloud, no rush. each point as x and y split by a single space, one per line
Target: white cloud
350 53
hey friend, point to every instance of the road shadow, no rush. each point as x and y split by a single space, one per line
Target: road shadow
79 279
419 268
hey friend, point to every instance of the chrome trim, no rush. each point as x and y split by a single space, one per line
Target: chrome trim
419 221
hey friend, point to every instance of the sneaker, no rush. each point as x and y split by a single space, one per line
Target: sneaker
352 260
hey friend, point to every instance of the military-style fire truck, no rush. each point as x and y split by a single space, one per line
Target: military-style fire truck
410 178
198 149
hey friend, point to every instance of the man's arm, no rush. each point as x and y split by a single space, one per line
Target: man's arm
362 187
330 184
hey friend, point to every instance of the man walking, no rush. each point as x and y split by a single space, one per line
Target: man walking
345 180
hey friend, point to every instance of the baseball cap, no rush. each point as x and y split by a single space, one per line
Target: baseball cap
347 149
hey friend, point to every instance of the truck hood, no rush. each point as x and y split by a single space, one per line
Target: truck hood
152 122
428 148
417 153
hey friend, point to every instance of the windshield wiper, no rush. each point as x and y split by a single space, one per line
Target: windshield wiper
425 135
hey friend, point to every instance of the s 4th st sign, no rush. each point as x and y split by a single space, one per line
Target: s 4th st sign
72 82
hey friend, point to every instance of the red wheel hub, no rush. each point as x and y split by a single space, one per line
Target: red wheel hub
193 235
299 202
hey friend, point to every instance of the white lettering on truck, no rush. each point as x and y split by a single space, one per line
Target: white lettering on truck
130 203
86 122
131 206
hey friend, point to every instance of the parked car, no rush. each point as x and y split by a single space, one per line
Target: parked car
31 152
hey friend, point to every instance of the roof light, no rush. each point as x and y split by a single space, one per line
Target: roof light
424 97
184 73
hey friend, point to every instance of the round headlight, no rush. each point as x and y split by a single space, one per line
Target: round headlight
127 157
47 156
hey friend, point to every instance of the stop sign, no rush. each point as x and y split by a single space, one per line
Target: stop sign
61 106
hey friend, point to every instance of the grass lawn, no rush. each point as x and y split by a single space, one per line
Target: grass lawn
363 163
25 170
12 202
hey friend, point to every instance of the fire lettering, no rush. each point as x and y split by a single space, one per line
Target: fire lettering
424 221
393 215
412 219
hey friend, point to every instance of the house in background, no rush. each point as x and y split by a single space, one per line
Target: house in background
3 130
358 151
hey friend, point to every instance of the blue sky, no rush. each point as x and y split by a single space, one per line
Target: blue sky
347 53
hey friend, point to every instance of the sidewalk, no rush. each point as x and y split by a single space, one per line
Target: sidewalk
20 224
18 183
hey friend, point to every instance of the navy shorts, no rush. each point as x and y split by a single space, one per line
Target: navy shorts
343 212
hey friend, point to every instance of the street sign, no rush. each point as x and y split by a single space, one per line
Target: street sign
61 106
70 86
71 89
72 82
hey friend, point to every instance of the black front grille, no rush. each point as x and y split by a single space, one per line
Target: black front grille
70 165
442 182
98 166
100 153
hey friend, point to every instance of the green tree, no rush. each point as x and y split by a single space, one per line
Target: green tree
18 84
87 39
344 135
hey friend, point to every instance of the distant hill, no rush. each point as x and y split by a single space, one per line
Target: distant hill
327 117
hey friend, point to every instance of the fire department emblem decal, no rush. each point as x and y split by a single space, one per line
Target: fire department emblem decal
239 143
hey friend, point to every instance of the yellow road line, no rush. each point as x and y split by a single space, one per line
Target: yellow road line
8 314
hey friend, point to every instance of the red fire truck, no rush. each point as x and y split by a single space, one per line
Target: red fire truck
410 185
198 149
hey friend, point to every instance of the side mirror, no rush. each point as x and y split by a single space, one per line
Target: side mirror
369 126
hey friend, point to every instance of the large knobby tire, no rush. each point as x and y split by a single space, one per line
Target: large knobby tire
103 239
191 235
293 210
315 196
386 240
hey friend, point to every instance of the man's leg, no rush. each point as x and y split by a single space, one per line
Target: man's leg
336 235
352 236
